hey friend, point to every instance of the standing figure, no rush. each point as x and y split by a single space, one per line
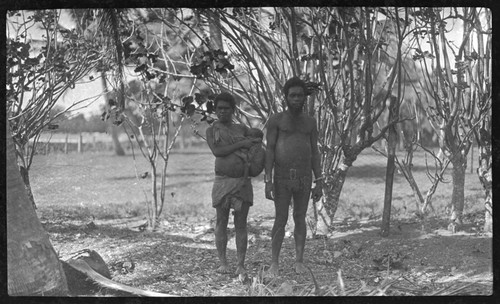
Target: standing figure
230 189
292 153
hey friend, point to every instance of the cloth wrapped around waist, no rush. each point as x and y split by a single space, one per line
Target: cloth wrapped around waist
231 192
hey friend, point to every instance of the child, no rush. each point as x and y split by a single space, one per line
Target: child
254 156
244 162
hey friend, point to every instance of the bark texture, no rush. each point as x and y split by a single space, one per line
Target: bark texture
327 206
33 267
486 179
457 196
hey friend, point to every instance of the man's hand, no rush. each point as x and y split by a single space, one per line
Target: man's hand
270 190
317 192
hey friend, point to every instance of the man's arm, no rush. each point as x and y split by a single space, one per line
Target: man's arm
271 137
317 192
315 157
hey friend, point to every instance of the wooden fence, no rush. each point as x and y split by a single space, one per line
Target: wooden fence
101 142
97 142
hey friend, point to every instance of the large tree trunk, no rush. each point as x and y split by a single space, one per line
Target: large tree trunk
26 179
327 206
334 182
33 267
457 195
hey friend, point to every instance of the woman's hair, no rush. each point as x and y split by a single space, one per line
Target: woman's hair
294 82
225 96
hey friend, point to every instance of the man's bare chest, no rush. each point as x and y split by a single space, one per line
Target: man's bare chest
289 126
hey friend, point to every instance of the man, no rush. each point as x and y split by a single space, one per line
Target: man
230 189
292 152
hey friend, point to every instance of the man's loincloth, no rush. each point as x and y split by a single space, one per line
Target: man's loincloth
231 192
293 184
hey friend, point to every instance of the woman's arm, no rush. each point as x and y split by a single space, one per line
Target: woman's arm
220 151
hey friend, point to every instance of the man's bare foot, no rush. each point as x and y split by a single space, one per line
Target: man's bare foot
273 270
223 269
300 268
240 270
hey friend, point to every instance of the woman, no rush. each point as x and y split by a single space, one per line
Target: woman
224 138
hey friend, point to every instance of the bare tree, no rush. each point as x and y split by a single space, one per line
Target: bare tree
327 47
163 94
359 80
481 85
459 100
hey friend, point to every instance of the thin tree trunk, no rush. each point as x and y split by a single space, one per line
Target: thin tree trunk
33 267
112 128
116 141
419 199
389 180
485 177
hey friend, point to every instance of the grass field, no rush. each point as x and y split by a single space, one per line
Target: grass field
105 186
94 201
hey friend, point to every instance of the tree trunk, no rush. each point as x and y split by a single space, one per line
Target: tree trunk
112 128
457 196
485 177
33 267
389 180
26 179
419 199
327 206
116 141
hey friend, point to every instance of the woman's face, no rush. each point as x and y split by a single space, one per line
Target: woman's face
224 111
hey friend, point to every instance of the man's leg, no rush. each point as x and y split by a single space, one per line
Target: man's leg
281 203
221 237
240 225
301 201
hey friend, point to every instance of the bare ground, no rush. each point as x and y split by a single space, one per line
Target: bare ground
180 257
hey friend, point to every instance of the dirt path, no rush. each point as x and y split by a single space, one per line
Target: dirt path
180 258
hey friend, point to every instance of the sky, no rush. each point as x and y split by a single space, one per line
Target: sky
92 89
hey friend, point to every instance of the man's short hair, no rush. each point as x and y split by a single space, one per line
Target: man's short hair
225 96
294 82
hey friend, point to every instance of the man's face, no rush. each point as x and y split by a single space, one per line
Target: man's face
224 111
296 98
